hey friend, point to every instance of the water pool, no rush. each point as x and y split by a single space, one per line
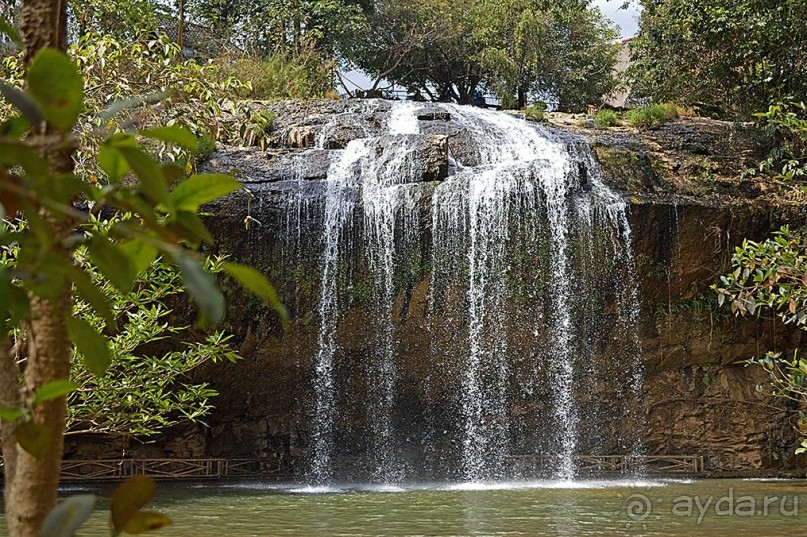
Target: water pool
714 508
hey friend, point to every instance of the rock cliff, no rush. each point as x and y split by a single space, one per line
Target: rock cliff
688 209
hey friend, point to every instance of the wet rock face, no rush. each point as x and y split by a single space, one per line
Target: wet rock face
431 154
695 400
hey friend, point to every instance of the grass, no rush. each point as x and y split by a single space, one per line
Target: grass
655 115
606 118
535 112
285 76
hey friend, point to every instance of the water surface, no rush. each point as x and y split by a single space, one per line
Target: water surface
717 508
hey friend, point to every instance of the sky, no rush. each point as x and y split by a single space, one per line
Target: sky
626 19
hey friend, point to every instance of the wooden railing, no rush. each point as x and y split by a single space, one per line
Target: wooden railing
616 464
117 469
214 468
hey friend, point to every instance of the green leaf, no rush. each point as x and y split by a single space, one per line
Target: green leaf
172 173
56 84
257 283
192 227
172 135
92 295
119 106
152 180
8 29
68 516
22 102
141 254
113 164
33 438
19 305
114 264
54 390
10 414
129 498
92 345
145 521
202 288
19 154
14 127
203 188
62 188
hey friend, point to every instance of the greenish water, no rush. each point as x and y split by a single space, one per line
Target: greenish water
714 508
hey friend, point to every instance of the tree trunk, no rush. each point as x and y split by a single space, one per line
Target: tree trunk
522 97
181 28
31 483
43 23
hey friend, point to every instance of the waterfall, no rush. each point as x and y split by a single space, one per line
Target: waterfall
339 205
530 273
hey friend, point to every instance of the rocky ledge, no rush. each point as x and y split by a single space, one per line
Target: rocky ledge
690 206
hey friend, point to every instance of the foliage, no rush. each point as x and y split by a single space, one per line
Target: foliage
147 385
279 27
284 76
787 127
126 511
770 277
732 57
43 253
606 118
535 111
123 19
558 50
160 87
654 115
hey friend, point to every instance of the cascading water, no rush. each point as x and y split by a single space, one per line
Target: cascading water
339 204
530 267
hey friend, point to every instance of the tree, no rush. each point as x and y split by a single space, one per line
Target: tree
39 189
561 51
770 278
120 18
269 27
733 57
556 50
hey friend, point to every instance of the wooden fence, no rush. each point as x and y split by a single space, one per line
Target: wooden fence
614 464
212 468
118 469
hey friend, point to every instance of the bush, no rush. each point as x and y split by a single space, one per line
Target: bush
786 126
201 96
302 76
153 359
606 118
655 115
535 111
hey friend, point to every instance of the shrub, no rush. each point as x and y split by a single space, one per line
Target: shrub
205 147
283 76
167 89
655 115
606 118
535 111
153 358
786 126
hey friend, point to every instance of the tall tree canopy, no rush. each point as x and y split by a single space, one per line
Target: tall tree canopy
736 56
278 26
558 50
